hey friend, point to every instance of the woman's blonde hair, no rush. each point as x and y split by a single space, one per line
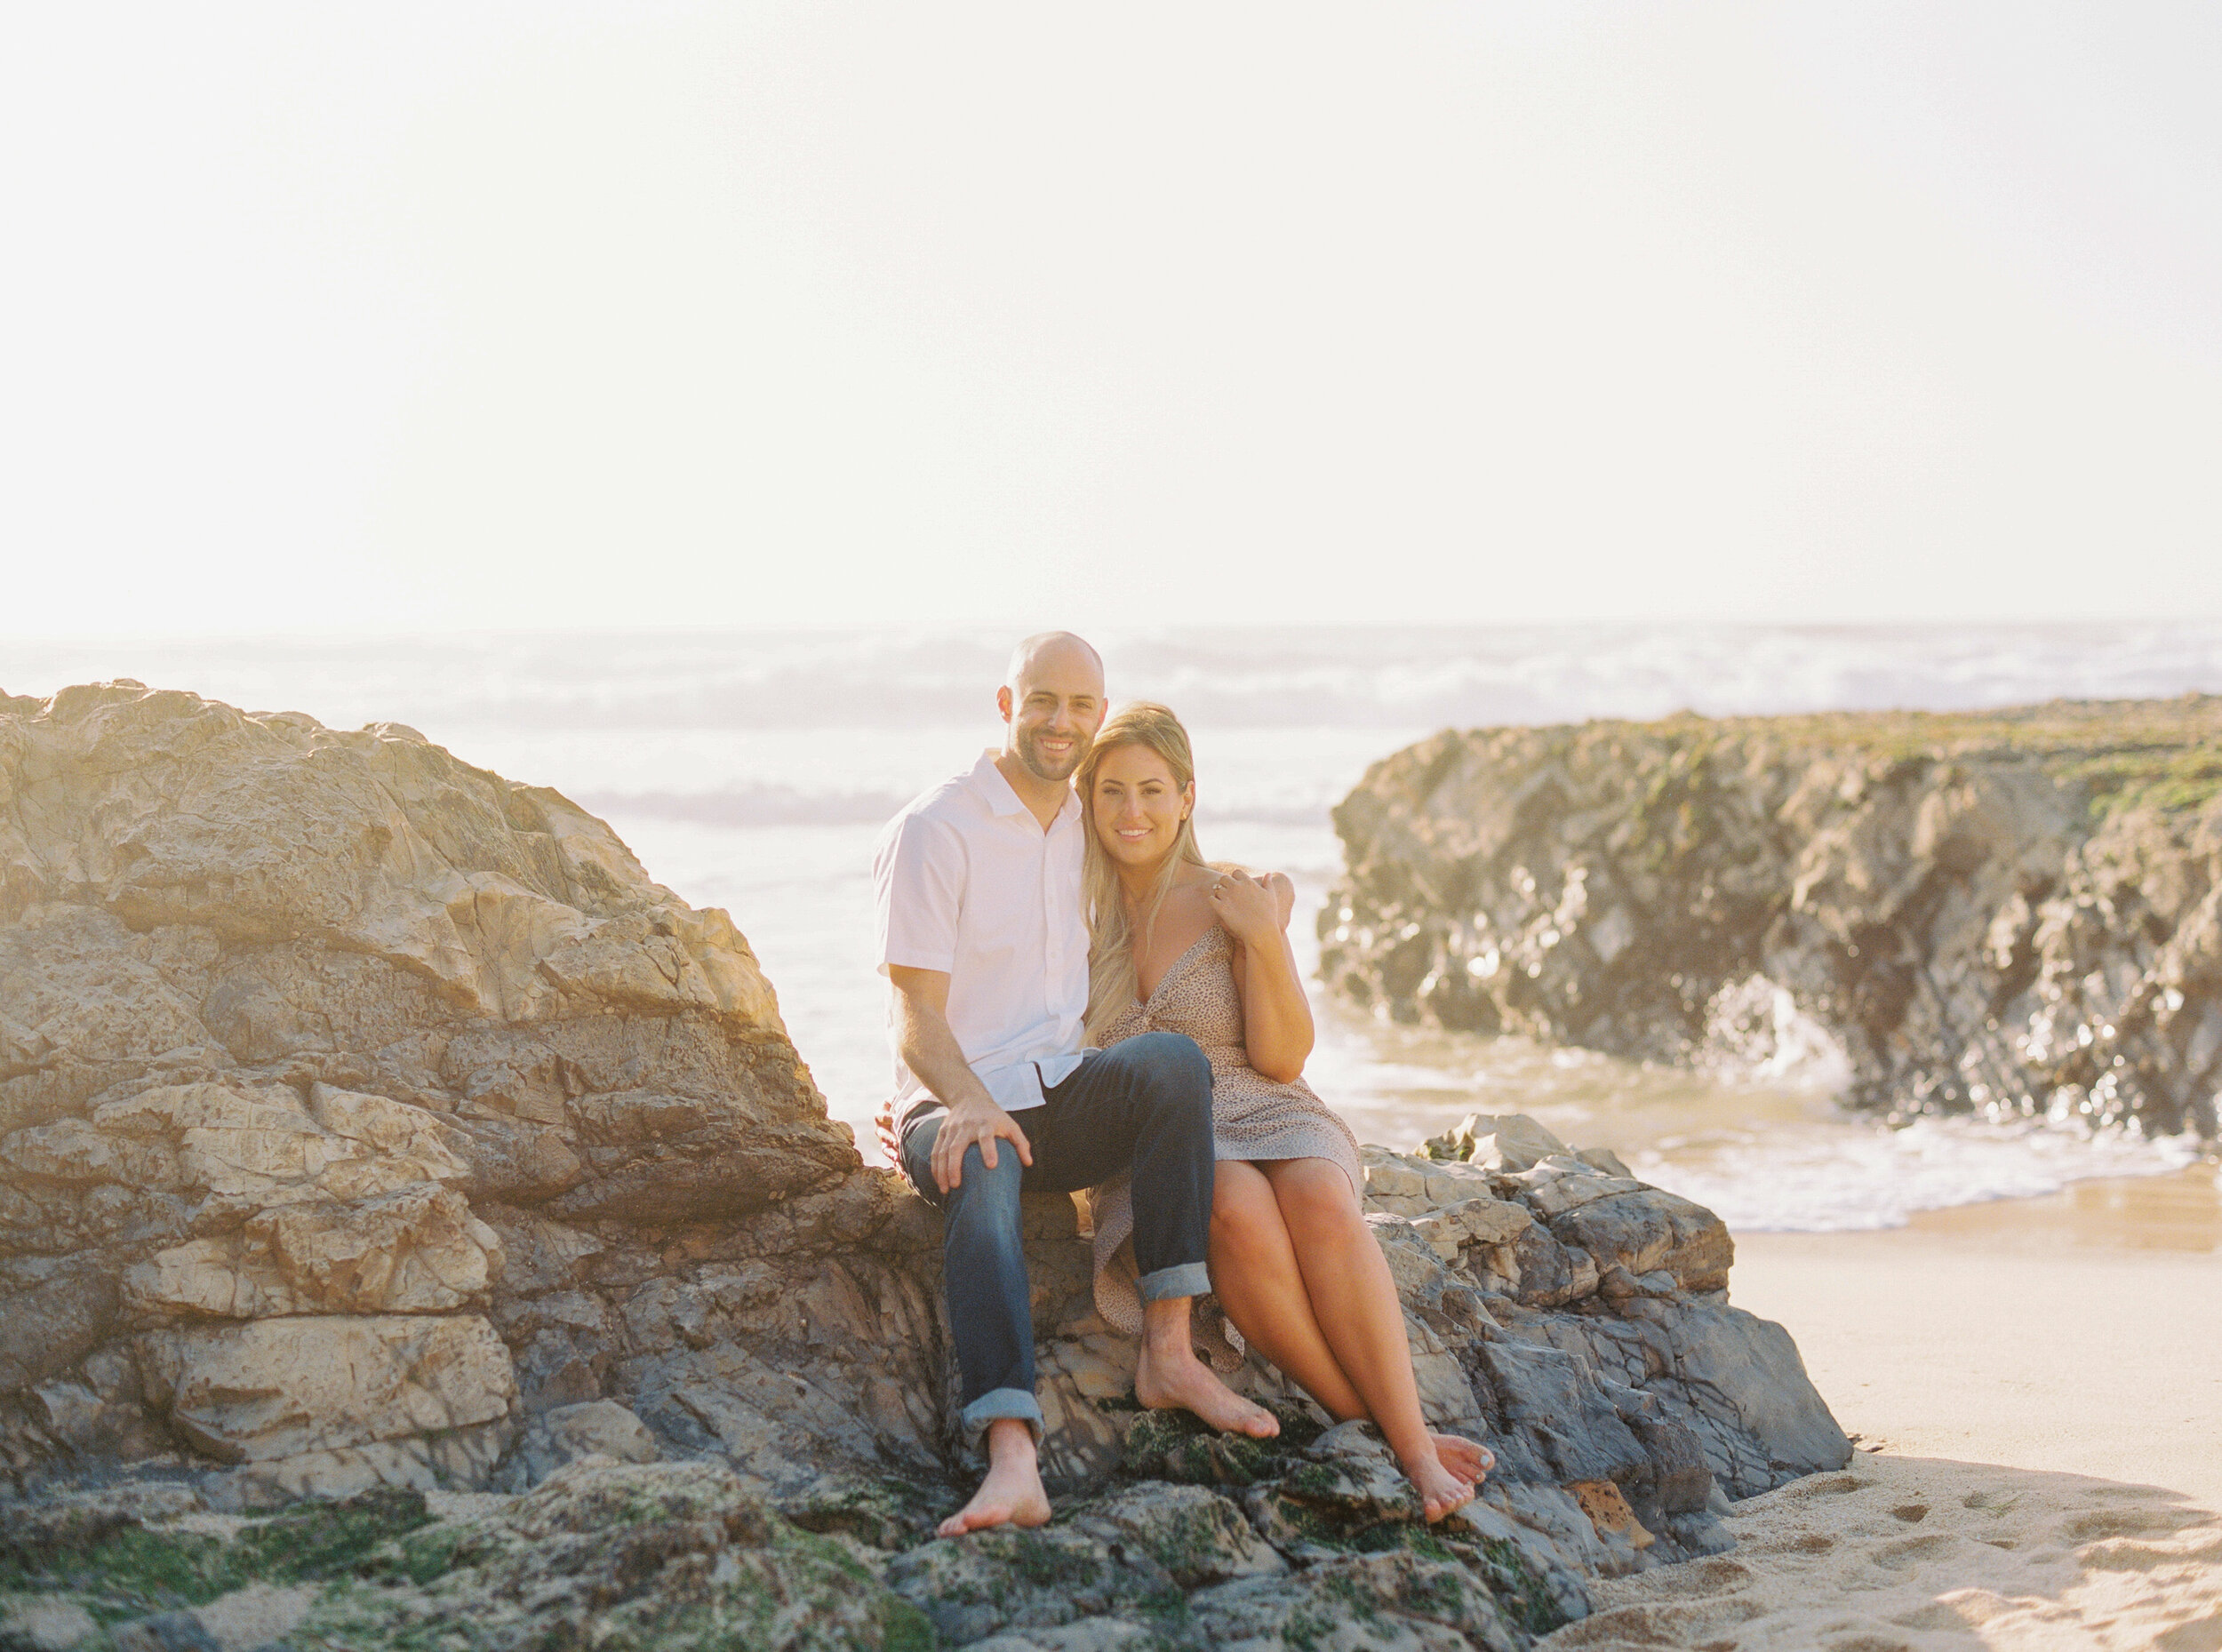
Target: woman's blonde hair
1111 940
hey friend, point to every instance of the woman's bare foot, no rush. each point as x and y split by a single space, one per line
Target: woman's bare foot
1012 1494
1440 1490
1174 1380
1464 1459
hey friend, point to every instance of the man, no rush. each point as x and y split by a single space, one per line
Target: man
984 942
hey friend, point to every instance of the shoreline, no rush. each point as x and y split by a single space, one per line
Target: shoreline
2032 1388
2175 1208
2073 1332
2169 1210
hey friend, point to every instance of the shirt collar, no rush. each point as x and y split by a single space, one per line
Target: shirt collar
995 790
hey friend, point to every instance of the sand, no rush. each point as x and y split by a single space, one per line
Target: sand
1920 1552
2036 1389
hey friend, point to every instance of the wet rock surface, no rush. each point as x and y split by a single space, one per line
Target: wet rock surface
2011 912
417 1229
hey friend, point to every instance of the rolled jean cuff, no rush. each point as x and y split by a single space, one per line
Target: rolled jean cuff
996 1404
1185 1279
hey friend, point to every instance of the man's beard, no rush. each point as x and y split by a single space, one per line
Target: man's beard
1040 768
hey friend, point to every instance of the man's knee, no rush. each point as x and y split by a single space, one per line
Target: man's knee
1172 1068
985 1200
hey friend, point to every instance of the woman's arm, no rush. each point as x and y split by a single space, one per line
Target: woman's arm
1276 1016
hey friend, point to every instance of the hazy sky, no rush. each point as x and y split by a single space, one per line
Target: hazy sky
551 315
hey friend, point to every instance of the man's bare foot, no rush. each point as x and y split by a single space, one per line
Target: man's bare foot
1174 1380
1440 1490
1012 1494
1464 1459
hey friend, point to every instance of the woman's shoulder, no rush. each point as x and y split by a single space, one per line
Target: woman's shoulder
1190 897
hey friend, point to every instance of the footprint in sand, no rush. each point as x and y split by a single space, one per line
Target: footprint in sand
1907 1552
2118 1523
1703 1577
1800 1543
1694 1624
1937 1615
1823 1486
2124 1554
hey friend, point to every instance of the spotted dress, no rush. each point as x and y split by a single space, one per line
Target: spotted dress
1253 1117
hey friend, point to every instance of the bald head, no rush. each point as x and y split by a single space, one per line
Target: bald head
1048 650
1051 701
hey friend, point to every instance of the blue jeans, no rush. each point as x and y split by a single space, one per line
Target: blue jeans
1143 1106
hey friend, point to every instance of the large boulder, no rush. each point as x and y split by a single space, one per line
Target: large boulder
2014 913
372 1126
330 1069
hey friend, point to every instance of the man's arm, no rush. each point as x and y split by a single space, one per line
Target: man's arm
930 1050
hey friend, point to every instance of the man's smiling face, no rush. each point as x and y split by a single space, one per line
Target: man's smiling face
1053 705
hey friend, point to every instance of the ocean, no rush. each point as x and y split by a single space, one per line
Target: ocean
753 771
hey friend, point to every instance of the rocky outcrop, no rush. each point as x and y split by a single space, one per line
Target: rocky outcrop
2012 913
351 1096
373 1128
1603 1299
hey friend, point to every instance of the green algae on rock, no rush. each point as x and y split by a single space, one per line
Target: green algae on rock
117 1565
677 1557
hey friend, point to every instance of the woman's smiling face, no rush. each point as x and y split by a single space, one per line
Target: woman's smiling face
1138 808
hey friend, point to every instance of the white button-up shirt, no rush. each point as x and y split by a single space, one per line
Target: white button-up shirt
970 884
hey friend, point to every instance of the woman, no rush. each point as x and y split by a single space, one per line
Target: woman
1178 946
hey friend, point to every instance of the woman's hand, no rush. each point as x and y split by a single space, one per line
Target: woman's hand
1247 909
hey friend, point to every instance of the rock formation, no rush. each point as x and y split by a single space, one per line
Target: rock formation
374 1131
2013 914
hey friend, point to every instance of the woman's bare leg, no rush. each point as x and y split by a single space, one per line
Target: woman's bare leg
1355 1306
1255 1277
1254 1273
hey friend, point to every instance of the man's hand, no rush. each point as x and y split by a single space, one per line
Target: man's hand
975 1122
1247 909
928 1049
